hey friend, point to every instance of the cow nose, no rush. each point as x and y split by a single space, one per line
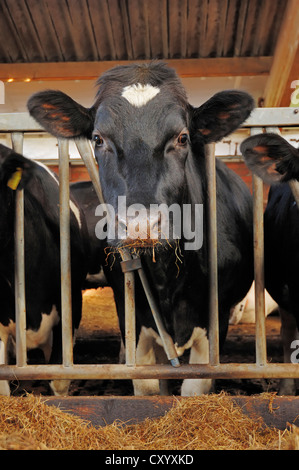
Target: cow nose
142 228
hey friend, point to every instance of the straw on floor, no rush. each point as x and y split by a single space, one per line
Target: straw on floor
210 422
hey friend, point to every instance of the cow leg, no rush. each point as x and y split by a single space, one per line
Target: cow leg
145 355
199 354
289 333
47 347
60 387
4 384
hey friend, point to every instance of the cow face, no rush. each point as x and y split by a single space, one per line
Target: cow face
271 158
144 132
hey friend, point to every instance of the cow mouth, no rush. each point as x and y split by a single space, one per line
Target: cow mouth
141 245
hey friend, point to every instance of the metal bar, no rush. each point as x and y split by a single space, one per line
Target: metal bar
21 122
130 317
294 185
20 297
258 241
263 117
65 253
163 371
212 250
260 117
86 152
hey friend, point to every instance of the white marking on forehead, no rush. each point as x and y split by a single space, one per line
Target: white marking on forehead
138 95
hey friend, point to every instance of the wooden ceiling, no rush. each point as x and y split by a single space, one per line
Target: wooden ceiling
81 38
92 30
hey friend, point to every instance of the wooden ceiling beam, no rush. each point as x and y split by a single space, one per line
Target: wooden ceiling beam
214 67
290 83
284 69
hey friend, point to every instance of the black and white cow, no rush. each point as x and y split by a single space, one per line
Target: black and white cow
42 258
150 147
276 161
85 196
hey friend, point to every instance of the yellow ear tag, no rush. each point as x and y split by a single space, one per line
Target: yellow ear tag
13 182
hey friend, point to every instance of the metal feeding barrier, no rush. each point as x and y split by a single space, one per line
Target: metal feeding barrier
262 119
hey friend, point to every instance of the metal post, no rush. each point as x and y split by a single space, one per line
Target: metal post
258 240
65 253
212 249
20 298
130 317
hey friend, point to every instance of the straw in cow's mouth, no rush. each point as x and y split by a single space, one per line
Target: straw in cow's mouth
137 246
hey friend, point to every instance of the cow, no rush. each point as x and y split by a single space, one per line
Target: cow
42 259
272 158
86 198
150 147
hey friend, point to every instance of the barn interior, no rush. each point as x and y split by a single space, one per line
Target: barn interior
252 45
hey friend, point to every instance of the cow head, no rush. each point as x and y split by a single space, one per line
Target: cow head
144 132
271 158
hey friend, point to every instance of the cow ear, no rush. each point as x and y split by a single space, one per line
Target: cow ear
222 114
15 170
60 115
271 157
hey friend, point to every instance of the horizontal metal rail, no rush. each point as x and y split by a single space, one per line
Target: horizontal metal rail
161 371
261 118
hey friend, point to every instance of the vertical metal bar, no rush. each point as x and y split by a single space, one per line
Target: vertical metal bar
213 263
65 253
130 317
86 152
20 298
258 243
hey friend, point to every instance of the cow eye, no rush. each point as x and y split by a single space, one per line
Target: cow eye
183 139
98 140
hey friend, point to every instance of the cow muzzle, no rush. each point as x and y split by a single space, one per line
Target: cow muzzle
139 231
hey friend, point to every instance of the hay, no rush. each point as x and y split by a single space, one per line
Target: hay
99 316
211 422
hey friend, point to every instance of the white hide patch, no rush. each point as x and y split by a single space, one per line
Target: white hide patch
138 95
199 354
38 338
198 340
